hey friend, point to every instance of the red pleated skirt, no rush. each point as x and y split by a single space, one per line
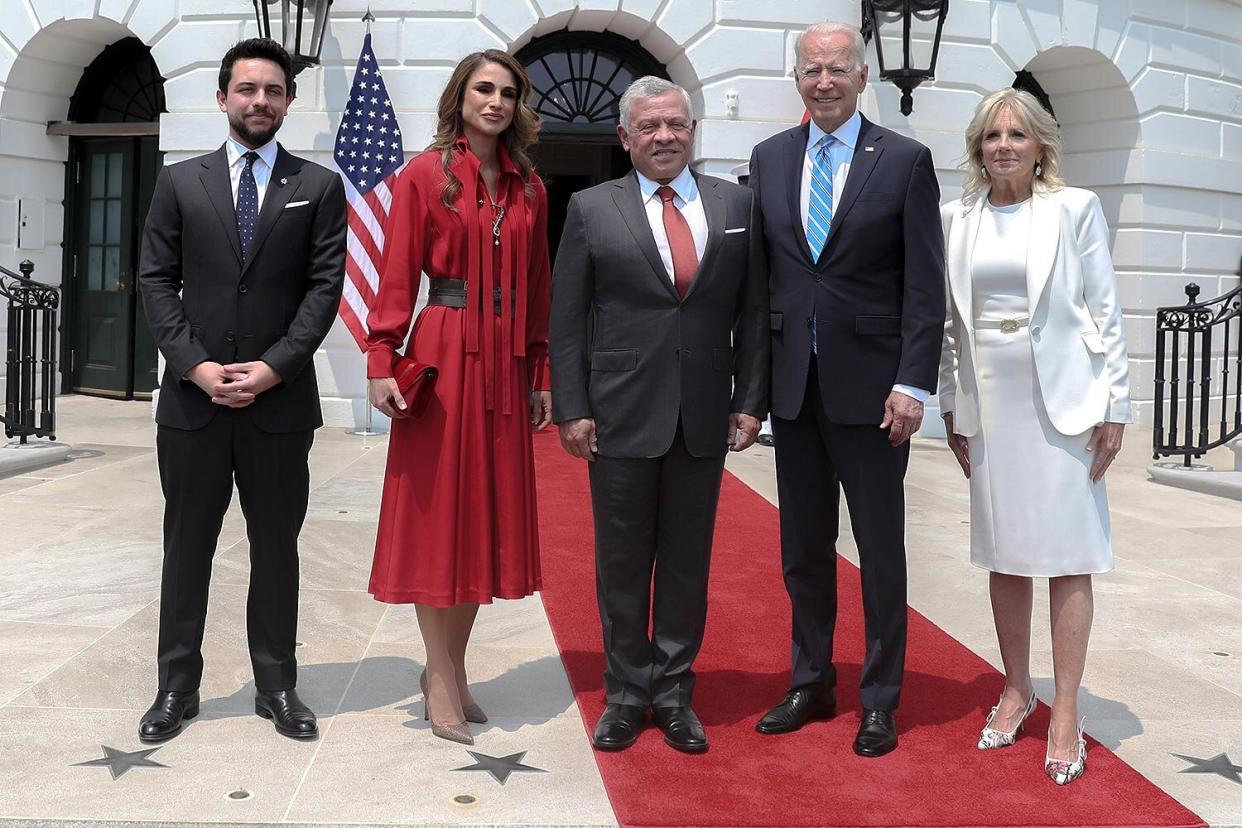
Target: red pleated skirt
457 521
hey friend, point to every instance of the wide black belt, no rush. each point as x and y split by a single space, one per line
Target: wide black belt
451 293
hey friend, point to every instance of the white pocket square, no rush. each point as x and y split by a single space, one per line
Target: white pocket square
735 230
296 204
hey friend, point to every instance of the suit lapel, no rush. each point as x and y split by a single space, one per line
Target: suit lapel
714 210
867 152
215 179
629 200
1041 256
795 162
281 186
962 235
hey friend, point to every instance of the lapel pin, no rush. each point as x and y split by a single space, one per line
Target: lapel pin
286 181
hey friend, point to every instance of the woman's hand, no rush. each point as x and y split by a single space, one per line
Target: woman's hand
958 444
384 395
540 409
1105 442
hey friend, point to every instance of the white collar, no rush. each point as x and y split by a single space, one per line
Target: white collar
847 133
267 152
683 185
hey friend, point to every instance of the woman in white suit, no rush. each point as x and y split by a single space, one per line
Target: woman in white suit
1035 394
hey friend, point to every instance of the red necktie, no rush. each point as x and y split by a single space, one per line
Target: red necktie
680 242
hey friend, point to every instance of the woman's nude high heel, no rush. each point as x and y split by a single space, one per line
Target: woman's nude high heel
459 732
472 711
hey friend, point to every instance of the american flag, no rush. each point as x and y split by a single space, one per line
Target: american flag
368 155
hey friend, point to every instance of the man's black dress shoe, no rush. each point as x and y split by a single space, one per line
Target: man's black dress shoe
682 729
285 709
163 720
877 734
618 727
799 706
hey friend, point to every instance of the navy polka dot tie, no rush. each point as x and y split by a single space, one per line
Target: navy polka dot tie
247 203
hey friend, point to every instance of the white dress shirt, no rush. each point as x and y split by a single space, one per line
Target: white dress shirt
687 201
841 155
262 167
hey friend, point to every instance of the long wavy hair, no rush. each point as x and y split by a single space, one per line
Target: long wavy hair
1028 112
518 136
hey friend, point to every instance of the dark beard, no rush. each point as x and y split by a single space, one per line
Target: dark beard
255 138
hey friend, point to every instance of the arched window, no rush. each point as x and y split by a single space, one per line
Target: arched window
578 78
1025 81
122 85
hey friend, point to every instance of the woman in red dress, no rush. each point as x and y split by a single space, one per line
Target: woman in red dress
457 524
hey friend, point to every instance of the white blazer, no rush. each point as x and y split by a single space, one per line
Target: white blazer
1075 317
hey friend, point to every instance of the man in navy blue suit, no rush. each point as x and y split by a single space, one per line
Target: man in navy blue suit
851 226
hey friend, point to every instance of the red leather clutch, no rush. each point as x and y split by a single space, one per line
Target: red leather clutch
415 381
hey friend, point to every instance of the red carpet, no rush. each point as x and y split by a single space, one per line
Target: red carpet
811 778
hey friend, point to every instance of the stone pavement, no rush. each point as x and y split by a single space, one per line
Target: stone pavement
79 571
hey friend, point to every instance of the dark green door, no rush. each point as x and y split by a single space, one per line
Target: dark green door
111 351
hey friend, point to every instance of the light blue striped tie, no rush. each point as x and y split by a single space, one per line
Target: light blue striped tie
819 212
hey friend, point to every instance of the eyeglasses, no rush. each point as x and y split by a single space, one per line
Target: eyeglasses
836 73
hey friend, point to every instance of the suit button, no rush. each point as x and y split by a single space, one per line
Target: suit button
241 288
228 336
819 277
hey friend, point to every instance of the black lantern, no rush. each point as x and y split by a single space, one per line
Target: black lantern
916 24
295 17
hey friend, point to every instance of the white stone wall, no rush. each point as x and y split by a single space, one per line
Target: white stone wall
1149 92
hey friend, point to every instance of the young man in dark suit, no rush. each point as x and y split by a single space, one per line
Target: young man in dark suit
659 352
851 224
242 264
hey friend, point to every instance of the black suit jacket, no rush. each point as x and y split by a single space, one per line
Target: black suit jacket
203 303
876 292
627 351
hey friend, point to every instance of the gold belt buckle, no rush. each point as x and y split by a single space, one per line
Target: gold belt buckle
1009 326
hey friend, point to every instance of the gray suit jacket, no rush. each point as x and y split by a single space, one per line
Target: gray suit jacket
627 351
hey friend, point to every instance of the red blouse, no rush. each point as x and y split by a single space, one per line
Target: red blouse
426 237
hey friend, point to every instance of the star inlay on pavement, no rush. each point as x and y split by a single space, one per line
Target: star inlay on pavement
1218 764
500 767
119 762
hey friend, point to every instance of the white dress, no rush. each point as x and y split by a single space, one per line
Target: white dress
1033 508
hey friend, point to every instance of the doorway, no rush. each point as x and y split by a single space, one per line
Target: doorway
111 350
577 79
114 159
567 167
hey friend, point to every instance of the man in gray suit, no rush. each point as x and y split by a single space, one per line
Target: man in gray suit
659 350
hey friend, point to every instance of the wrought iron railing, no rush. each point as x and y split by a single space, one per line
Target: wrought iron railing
30 361
1198 375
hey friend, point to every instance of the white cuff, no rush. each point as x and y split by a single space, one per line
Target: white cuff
915 393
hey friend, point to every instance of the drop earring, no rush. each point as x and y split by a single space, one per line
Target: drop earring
1039 168
983 171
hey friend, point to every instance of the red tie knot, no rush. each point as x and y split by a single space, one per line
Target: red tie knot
666 194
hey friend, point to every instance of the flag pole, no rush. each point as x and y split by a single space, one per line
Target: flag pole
366 430
371 111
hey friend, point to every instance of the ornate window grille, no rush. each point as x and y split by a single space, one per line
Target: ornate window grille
122 85
577 79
